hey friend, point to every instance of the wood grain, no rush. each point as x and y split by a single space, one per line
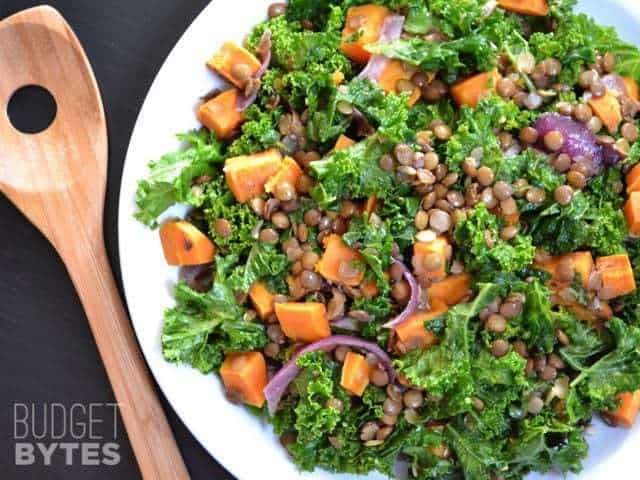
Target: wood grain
57 178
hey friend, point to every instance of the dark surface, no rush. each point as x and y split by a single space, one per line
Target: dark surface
47 353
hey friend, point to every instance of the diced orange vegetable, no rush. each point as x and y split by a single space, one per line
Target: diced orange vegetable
439 246
452 290
633 179
617 276
355 373
512 219
537 8
246 375
337 77
220 114
607 108
632 88
632 212
303 321
343 143
183 244
362 27
471 90
371 205
395 71
626 413
413 334
230 55
336 253
440 451
582 265
369 289
289 171
247 175
262 299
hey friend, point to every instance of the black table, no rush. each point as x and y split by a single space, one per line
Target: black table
47 353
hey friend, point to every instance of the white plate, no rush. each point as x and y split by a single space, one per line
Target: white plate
223 429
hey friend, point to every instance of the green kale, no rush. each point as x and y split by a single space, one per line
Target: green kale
445 370
259 131
478 457
374 244
398 212
171 178
352 173
265 263
537 322
586 343
482 251
203 327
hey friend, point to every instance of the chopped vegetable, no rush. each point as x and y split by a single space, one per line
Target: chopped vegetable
303 322
581 263
248 175
235 64
413 333
289 172
362 26
343 143
627 412
339 263
430 258
632 213
184 244
607 108
220 114
633 179
262 299
245 374
396 72
355 373
617 276
632 87
473 89
452 290
538 8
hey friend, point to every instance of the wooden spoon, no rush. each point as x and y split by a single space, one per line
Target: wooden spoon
57 178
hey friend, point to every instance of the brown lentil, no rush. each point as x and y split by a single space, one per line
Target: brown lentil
595 124
341 352
535 405
508 233
389 420
386 162
391 407
272 350
404 154
455 199
521 348
439 220
257 205
629 131
598 89
335 403
555 361
275 334
394 392
563 195
554 140
384 433
223 227
285 191
369 431
269 236
496 323
488 198
485 176
562 337
535 195
562 162
277 9
506 87
379 377
470 167
310 280
413 399
502 190
576 179
442 132
582 112
280 221
529 135
401 292
509 206
548 373
588 78
499 348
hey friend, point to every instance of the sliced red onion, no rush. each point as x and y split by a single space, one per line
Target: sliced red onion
279 383
264 48
391 30
347 323
412 304
579 140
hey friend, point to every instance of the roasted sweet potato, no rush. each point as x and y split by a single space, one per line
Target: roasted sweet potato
633 179
303 321
227 59
362 27
632 88
452 290
247 175
473 89
393 74
617 276
262 299
632 213
245 374
183 244
371 205
343 143
440 247
626 413
582 265
412 334
289 171
355 373
536 8
339 259
607 108
220 114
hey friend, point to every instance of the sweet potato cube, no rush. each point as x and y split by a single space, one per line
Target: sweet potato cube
617 276
627 412
289 171
632 213
452 290
337 259
421 250
245 374
220 114
391 76
536 8
607 108
473 89
632 88
247 175
633 179
371 204
262 299
343 143
303 321
413 334
362 27
582 265
230 55
355 373
183 244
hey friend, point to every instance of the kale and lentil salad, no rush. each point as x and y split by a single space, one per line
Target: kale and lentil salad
411 244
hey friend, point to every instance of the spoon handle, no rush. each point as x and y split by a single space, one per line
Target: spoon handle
147 427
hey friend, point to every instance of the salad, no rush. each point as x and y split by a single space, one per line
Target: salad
412 243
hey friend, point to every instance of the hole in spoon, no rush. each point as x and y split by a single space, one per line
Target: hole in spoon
32 109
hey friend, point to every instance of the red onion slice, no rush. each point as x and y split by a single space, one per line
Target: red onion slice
346 323
264 47
412 304
391 30
279 383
